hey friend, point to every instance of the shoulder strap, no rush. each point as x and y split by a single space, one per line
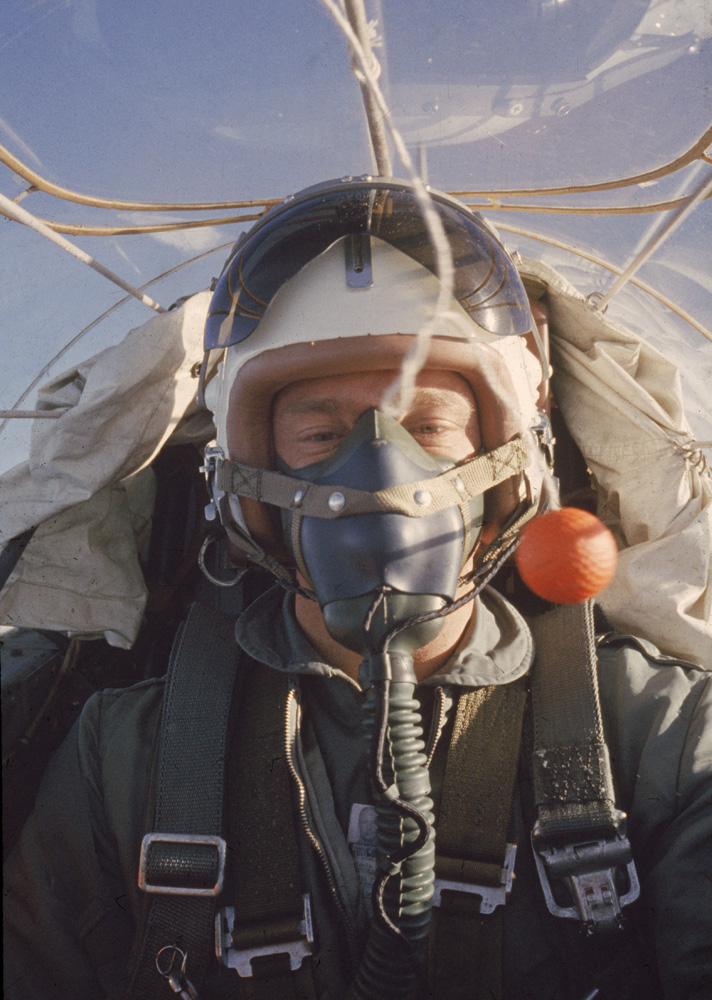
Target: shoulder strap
183 858
474 863
572 771
266 934
579 838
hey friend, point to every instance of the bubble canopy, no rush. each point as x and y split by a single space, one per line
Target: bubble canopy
153 135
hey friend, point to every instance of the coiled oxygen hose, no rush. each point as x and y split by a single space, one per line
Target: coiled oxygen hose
394 966
395 960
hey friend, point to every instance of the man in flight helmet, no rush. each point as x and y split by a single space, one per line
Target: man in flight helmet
341 804
347 271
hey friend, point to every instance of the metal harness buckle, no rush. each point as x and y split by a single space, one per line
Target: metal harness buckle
214 457
240 959
588 870
180 864
492 895
545 436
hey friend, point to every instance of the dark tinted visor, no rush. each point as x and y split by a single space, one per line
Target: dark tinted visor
303 227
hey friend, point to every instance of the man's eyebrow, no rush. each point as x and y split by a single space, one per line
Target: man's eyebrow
425 397
332 406
439 396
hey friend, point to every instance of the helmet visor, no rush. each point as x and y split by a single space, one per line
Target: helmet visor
301 228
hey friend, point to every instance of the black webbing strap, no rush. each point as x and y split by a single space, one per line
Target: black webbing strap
581 850
471 843
573 784
189 801
269 906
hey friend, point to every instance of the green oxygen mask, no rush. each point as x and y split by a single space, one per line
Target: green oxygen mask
372 572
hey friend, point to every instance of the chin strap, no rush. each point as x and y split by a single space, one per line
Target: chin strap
219 509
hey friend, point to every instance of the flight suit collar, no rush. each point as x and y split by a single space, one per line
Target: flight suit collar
496 648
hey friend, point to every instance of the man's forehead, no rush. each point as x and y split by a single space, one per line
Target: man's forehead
330 396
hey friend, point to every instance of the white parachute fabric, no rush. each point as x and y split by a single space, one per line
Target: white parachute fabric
83 485
80 574
622 402
620 398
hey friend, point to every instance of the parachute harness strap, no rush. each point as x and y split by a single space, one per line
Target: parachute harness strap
183 858
265 934
474 863
572 775
579 839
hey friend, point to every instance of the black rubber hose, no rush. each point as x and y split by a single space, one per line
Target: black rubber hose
393 967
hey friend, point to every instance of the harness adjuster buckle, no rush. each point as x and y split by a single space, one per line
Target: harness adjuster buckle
599 874
491 896
167 869
214 460
297 948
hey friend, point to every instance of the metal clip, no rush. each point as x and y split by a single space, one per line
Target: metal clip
214 457
492 895
218 506
545 436
177 980
588 870
357 251
240 959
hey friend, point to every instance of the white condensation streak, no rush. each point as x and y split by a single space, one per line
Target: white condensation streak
399 395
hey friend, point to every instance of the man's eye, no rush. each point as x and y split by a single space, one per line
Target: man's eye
426 430
319 437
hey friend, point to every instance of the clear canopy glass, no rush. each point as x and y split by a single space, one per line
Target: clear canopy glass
575 128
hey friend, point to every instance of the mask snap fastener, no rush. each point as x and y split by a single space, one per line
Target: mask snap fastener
458 484
298 497
337 501
422 498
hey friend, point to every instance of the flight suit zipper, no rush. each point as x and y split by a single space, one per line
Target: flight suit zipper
292 731
436 726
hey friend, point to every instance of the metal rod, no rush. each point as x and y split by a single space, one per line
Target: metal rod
695 152
601 262
657 239
356 14
20 214
39 183
45 370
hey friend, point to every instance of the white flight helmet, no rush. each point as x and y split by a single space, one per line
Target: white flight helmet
340 278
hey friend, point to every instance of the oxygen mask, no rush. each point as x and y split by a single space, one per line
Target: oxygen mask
372 572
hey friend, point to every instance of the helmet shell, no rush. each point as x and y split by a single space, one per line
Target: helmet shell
286 309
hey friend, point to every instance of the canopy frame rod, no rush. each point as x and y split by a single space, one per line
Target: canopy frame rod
698 194
356 13
20 214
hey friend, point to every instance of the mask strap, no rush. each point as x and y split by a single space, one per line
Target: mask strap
419 499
